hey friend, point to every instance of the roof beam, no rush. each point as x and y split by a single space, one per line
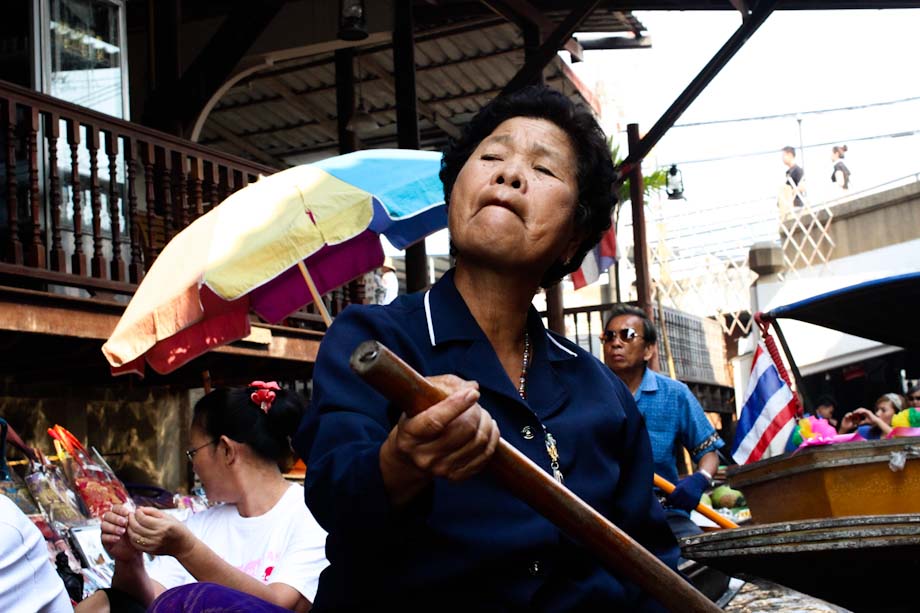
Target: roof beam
758 16
183 99
617 42
534 66
515 10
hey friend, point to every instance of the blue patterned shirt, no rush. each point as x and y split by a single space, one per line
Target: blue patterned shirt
674 419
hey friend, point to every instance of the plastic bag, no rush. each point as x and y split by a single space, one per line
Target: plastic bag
92 477
51 492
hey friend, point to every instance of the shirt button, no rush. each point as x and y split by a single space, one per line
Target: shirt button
527 432
534 569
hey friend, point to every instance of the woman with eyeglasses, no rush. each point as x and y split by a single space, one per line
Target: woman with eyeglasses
413 521
262 541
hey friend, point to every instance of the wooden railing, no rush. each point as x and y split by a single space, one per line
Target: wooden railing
88 200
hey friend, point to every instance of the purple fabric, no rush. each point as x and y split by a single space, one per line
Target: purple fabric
210 598
330 267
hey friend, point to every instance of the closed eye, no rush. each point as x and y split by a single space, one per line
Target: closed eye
544 170
489 157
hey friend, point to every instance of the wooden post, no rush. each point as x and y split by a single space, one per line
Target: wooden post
640 243
407 122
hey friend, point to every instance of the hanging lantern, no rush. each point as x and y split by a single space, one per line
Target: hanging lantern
352 22
675 183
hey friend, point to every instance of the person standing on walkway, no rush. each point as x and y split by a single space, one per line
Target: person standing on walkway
795 177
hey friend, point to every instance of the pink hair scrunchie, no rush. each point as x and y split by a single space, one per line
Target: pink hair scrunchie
264 396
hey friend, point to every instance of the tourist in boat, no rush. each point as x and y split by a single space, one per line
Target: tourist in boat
262 542
873 425
913 397
825 409
414 523
673 416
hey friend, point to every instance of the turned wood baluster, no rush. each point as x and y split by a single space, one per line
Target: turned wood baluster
196 205
78 264
166 186
226 187
117 266
36 252
136 268
52 133
182 196
148 158
14 251
97 262
213 186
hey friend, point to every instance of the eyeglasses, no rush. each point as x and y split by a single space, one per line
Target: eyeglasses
627 335
190 453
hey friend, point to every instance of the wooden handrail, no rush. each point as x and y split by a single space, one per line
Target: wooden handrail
92 199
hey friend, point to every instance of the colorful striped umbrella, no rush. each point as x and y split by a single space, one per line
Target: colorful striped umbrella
272 248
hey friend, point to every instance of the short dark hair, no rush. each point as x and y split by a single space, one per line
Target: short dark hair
826 400
789 150
594 168
231 412
649 331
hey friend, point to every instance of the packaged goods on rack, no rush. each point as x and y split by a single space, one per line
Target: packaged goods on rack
91 476
51 492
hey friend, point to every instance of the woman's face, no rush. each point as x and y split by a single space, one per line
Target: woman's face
207 464
514 200
885 410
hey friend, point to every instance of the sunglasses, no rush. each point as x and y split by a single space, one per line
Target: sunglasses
627 335
190 453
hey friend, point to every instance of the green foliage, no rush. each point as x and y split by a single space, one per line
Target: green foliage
653 182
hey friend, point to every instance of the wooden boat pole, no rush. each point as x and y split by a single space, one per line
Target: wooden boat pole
618 551
703 509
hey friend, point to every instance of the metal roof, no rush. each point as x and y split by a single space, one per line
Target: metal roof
288 111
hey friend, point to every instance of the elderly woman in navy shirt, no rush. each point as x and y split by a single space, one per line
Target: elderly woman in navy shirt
413 522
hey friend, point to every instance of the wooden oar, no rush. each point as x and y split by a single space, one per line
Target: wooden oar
705 510
412 393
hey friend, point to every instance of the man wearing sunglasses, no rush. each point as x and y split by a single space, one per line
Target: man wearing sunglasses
673 416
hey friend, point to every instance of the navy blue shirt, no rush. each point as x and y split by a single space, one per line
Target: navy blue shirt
471 545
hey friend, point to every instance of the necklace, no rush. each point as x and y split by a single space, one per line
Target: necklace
525 363
548 438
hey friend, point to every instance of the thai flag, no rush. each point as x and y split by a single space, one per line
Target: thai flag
597 260
768 415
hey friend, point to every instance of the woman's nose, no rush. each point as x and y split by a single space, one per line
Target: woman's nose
510 174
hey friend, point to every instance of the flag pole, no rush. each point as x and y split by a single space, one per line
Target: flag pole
799 384
317 299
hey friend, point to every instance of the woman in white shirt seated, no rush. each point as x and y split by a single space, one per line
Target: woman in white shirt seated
263 541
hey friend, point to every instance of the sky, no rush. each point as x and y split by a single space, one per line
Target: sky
799 63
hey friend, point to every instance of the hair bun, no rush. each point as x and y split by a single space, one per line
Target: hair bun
844 147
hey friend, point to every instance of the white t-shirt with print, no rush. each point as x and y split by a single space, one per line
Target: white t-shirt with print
284 545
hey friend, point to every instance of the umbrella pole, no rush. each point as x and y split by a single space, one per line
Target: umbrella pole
317 299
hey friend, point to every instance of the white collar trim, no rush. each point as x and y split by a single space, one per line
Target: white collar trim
556 343
428 317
